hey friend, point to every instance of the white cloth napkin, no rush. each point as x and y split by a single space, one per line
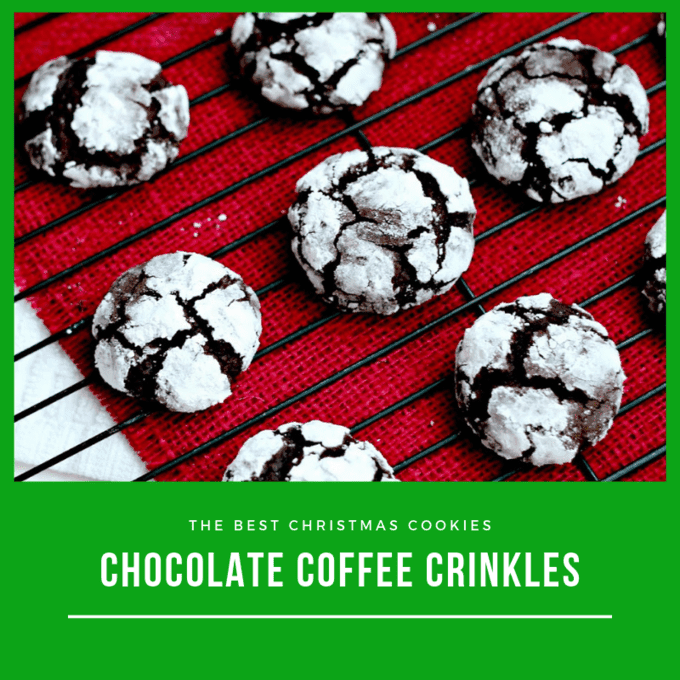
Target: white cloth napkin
68 421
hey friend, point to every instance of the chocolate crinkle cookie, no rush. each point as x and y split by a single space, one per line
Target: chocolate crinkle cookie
538 380
313 62
103 121
177 330
559 121
654 269
308 452
382 230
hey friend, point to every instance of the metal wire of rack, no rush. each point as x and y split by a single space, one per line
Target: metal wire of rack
473 302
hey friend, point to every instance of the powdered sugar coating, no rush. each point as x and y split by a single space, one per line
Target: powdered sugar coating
561 120
308 452
654 268
538 380
383 230
107 120
177 330
314 62
41 89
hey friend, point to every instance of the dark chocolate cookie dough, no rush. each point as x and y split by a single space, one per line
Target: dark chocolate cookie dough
311 61
382 230
559 121
308 452
654 269
177 330
102 121
538 380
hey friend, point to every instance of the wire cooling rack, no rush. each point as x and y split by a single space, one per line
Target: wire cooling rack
390 377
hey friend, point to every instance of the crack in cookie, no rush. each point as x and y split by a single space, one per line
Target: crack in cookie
538 380
559 121
308 452
313 62
177 330
103 121
382 230
654 269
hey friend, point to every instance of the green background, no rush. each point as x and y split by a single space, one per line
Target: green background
625 535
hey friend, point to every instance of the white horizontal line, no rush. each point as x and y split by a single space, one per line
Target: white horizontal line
339 616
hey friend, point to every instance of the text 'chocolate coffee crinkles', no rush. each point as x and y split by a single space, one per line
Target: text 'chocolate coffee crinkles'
103 121
538 380
654 268
382 230
559 121
177 330
308 452
311 61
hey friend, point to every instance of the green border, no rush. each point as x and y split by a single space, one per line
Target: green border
624 534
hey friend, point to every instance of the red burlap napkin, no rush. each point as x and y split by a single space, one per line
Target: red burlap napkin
324 350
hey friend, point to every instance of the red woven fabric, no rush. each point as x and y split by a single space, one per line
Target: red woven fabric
338 344
25 18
